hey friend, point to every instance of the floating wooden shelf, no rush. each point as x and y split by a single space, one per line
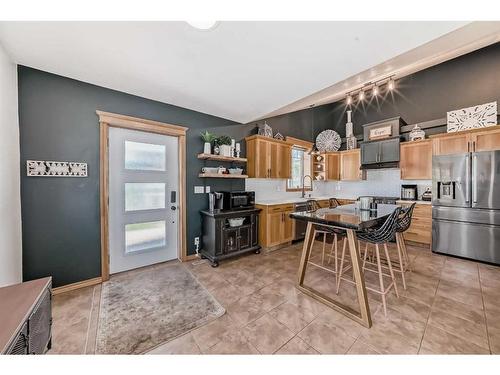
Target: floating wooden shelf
220 175
221 158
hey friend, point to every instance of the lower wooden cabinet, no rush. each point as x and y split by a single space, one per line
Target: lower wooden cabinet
420 230
275 225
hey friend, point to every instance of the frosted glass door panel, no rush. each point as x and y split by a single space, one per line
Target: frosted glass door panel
144 236
144 196
144 156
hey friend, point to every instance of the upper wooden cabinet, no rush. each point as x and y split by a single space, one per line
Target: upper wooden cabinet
485 139
416 160
332 166
268 157
350 163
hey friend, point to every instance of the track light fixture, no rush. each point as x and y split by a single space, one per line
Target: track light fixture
374 86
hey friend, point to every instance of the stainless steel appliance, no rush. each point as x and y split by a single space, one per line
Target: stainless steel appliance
300 225
215 201
427 195
409 192
238 200
365 202
466 205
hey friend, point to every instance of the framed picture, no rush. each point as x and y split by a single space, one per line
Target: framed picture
479 116
380 132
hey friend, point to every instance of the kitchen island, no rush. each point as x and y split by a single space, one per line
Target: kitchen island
351 220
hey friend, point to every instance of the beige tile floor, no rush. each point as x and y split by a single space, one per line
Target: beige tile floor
451 306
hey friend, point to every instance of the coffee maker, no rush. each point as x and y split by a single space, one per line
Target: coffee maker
215 201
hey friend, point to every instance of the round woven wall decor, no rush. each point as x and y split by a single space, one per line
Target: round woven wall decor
328 141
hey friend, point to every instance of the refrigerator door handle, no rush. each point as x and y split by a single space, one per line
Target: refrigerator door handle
474 178
467 178
438 189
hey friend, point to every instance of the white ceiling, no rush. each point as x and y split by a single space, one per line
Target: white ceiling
239 70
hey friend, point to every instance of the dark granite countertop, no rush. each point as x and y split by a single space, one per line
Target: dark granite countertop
347 216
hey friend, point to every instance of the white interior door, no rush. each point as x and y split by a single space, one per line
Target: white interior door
143 196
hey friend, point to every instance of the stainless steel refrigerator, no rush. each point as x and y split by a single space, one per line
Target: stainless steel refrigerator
466 205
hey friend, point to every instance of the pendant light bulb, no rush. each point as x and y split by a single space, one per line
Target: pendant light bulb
361 95
391 85
375 91
349 99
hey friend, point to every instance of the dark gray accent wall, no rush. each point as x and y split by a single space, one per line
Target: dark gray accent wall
60 216
426 95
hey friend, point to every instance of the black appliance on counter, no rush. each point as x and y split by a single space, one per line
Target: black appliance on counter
232 229
238 200
409 192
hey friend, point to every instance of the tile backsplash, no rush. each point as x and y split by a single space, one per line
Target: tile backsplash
380 182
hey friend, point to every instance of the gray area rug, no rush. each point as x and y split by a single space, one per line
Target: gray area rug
144 308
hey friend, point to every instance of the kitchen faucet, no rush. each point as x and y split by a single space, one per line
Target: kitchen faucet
304 186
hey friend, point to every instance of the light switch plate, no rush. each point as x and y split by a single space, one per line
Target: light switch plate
207 189
198 190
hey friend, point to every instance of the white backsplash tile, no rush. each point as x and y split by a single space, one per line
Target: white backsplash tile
379 182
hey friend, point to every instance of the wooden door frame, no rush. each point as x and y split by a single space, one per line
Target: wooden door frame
107 120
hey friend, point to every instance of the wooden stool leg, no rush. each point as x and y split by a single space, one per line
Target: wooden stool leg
402 266
365 255
405 252
389 263
341 265
381 278
323 253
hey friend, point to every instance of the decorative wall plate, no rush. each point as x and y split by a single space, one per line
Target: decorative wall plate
479 116
328 141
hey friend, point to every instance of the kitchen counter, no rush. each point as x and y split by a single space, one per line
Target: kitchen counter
403 201
271 202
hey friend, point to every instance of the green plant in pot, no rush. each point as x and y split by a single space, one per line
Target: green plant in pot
208 138
224 144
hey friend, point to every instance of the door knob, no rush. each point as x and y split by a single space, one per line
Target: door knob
173 208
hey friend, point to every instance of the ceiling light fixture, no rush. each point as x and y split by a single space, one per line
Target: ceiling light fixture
361 95
375 90
203 24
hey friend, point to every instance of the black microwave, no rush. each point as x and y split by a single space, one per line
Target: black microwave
238 200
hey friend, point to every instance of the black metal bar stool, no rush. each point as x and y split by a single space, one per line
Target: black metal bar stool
379 236
403 223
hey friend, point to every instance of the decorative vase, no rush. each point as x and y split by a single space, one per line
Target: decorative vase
225 150
207 148
417 133
351 141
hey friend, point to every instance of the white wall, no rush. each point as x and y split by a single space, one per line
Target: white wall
10 200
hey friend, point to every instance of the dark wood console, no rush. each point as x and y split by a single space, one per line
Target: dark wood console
221 241
26 317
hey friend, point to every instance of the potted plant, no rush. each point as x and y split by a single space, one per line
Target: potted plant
208 138
224 144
